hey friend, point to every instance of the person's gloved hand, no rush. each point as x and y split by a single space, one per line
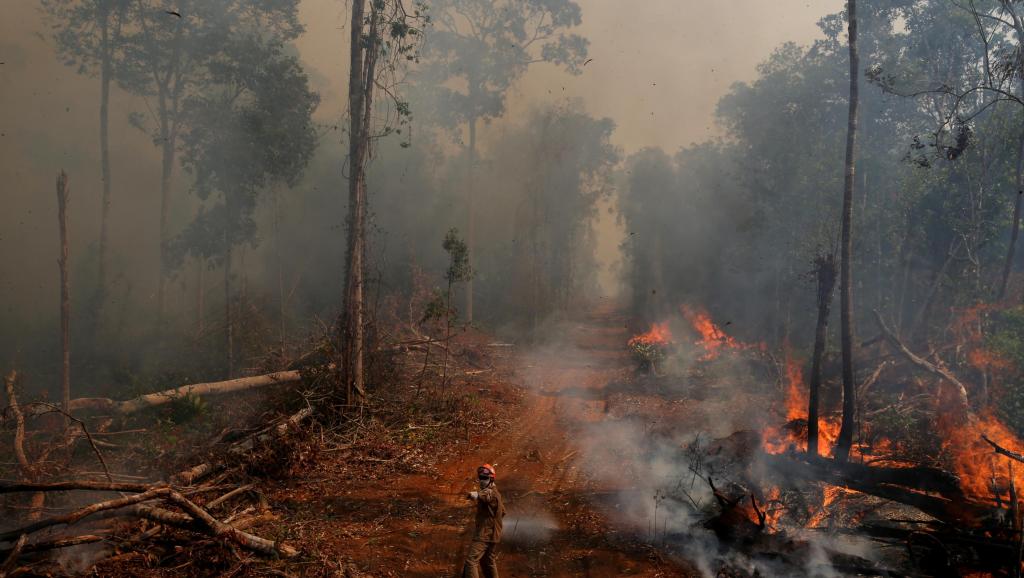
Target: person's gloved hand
473 495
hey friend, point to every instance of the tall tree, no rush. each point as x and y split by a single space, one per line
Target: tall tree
65 291
250 128
168 55
487 45
972 50
362 69
384 33
88 36
845 440
826 276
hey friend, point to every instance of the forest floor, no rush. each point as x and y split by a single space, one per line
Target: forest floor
397 521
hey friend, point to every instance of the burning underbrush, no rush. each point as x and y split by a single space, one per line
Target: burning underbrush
935 477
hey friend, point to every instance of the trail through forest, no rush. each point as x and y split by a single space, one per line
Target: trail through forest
556 523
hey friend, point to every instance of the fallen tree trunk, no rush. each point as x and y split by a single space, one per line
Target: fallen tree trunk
44 545
243 446
12 556
75 516
934 492
149 400
218 528
257 439
10 487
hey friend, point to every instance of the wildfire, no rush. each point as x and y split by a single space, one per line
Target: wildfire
967 326
796 393
659 334
711 337
793 434
983 474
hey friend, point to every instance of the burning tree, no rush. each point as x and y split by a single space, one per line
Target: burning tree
651 348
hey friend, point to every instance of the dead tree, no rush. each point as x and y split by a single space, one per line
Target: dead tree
845 441
27 472
65 291
826 273
362 74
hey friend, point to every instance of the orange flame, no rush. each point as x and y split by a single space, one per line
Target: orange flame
793 435
711 336
659 334
796 394
984 474
967 327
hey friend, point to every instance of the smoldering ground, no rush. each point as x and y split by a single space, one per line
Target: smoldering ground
646 444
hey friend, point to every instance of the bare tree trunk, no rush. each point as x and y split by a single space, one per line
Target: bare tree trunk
361 78
201 296
229 330
105 73
470 215
826 285
447 335
65 291
150 400
1015 226
28 472
280 268
167 165
845 440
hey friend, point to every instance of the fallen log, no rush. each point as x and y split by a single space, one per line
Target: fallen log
195 473
12 556
932 491
11 487
218 529
269 434
149 400
44 545
77 515
244 446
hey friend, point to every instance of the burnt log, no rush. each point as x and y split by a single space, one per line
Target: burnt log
932 491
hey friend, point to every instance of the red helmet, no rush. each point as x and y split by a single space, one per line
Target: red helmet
485 471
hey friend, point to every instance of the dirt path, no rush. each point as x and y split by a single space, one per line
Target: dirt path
553 527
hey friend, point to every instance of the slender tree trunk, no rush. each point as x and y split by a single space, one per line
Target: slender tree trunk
447 334
200 297
470 214
229 329
1015 225
65 291
166 168
826 286
361 78
280 269
845 441
105 73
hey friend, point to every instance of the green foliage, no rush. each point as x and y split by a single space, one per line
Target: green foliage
1006 339
186 408
1006 336
436 309
252 128
458 258
502 39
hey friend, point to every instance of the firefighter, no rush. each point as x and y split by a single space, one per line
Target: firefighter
489 513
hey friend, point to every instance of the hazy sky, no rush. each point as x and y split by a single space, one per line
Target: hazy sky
659 65
658 68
